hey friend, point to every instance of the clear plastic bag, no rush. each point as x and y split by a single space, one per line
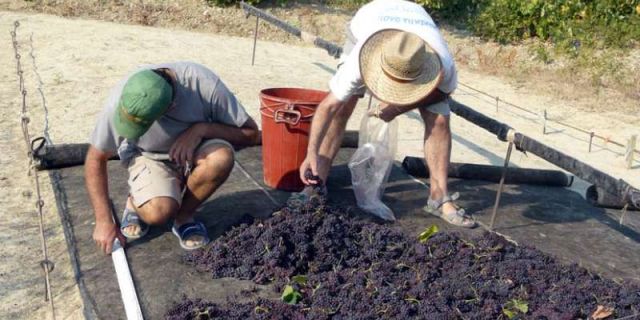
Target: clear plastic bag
371 164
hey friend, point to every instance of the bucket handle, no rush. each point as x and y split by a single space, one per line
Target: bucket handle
288 116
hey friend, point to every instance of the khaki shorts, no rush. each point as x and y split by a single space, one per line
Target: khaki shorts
154 175
441 108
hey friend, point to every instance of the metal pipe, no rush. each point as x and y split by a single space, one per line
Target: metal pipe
333 49
255 41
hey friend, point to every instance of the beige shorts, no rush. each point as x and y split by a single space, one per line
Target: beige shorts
441 108
154 175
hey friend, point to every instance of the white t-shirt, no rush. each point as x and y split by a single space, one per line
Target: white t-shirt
391 14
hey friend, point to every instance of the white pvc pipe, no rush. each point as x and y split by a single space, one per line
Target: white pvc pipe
125 282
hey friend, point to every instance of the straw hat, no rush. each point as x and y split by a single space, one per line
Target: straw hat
399 67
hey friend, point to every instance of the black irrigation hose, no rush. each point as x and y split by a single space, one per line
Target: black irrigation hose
58 156
333 49
496 127
617 187
603 138
416 167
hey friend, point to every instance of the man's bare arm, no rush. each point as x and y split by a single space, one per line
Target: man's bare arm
95 169
97 187
183 148
247 135
325 113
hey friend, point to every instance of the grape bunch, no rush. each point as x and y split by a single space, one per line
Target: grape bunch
310 176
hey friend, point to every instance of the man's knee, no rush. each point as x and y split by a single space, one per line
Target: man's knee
217 162
441 122
158 211
434 121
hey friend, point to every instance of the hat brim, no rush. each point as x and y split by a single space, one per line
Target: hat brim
126 128
391 90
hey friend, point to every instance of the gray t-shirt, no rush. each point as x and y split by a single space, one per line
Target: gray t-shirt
200 97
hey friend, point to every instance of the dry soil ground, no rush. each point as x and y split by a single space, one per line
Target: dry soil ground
79 60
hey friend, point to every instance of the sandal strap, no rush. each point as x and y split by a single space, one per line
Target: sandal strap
450 197
458 218
447 198
192 228
130 217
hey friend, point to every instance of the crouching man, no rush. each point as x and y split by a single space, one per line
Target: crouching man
174 126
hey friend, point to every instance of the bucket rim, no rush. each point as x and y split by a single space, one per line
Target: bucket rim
263 93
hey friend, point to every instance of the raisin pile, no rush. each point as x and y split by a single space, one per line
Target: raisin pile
356 269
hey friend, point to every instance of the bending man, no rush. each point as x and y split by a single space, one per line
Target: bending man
395 51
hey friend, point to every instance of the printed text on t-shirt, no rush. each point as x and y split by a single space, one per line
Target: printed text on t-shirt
410 21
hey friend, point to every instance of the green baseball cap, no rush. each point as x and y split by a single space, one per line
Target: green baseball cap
145 98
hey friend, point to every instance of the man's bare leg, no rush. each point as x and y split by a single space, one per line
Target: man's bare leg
213 166
156 211
437 152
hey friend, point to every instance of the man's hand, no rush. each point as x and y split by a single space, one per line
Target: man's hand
105 233
310 163
388 112
384 111
183 148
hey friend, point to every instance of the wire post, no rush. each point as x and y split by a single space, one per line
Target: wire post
255 41
544 122
501 186
46 264
45 131
631 146
591 134
497 103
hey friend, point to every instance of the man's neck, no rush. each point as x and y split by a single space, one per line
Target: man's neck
170 76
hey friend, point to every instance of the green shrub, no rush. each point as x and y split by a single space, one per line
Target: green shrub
458 12
567 23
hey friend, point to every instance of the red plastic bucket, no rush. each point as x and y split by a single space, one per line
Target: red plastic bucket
286 122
